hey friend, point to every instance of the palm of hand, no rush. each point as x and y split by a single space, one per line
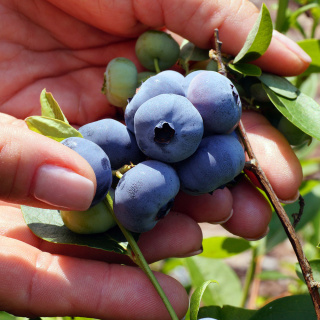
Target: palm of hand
59 53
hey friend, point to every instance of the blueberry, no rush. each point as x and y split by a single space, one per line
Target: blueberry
164 82
99 162
157 49
168 128
217 161
188 79
120 81
116 141
145 194
217 100
94 220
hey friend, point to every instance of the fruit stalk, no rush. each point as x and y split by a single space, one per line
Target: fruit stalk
137 257
254 166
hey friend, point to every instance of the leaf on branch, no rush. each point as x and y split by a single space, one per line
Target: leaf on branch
50 107
312 48
52 128
196 299
246 69
303 111
258 39
223 247
225 313
295 307
190 52
48 225
279 85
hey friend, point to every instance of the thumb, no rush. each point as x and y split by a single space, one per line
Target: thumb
40 172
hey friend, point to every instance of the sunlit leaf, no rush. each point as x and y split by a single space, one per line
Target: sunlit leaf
228 290
258 39
52 128
50 107
303 112
312 48
196 299
223 247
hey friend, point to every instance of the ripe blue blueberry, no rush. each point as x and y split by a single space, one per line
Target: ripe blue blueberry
217 100
145 194
168 128
99 162
217 161
116 141
188 79
163 82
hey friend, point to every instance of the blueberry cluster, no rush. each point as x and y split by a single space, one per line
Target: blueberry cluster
179 133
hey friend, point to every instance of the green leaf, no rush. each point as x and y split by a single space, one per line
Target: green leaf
310 190
312 48
190 52
303 112
225 313
223 247
295 307
310 85
52 128
50 107
196 299
272 275
281 15
228 291
6 316
258 39
315 266
48 225
246 69
279 85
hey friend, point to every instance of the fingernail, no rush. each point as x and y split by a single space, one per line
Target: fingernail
225 220
292 46
259 238
63 188
294 199
191 254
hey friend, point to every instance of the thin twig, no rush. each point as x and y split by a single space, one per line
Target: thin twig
254 166
297 216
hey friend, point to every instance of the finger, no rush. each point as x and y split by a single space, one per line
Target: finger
275 156
40 284
251 212
213 208
38 171
196 21
175 236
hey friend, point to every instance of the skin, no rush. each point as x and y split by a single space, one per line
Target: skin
69 58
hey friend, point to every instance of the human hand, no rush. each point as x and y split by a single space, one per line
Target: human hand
64 46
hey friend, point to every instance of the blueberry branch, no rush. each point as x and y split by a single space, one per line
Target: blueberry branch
254 166
137 257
